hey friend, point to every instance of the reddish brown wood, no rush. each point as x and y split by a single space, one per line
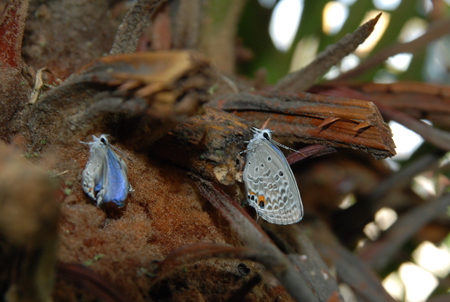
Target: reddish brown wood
420 100
315 119
12 24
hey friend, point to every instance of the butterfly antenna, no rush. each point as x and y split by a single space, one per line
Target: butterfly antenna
120 152
286 147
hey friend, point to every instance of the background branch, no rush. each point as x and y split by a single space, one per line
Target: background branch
304 78
435 31
133 25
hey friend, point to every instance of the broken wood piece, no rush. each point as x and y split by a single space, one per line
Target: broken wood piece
152 92
211 145
147 74
419 100
315 119
406 104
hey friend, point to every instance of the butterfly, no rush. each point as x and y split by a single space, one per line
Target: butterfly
105 177
270 184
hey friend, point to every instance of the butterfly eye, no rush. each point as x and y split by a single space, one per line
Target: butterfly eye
266 135
103 140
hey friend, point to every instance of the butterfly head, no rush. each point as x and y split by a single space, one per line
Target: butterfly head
262 134
103 139
267 134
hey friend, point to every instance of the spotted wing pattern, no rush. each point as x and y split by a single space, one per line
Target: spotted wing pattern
93 174
270 183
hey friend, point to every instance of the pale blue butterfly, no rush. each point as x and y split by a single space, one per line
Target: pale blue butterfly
269 181
105 178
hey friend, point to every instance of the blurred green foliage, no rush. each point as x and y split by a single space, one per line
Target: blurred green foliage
253 30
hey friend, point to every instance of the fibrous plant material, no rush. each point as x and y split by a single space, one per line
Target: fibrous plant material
267 253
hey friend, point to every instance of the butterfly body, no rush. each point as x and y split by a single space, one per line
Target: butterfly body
270 184
105 177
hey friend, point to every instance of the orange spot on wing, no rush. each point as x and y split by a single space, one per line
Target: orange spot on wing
261 201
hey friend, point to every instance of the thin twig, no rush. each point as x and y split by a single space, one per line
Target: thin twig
370 202
403 177
379 253
436 30
133 24
302 79
437 137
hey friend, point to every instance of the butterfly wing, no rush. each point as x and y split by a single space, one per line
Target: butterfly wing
92 176
115 179
270 184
